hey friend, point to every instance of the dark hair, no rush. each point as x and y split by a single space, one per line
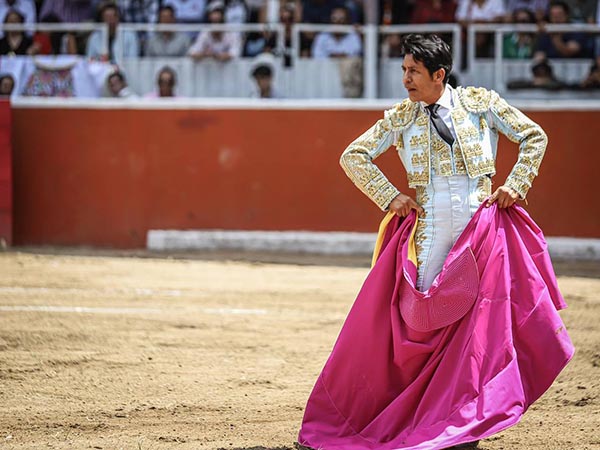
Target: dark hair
169 70
561 4
118 74
530 15
7 75
263 70
166 8
14 11
104 6
434 53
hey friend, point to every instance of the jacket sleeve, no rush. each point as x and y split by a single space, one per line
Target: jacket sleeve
532 141
357 161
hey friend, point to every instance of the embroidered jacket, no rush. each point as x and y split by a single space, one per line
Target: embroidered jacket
477 117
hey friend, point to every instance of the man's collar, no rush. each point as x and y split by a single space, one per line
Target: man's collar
445 101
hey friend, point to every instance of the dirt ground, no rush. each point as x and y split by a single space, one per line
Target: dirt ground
111 351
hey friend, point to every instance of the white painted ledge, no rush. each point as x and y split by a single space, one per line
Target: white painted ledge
322 243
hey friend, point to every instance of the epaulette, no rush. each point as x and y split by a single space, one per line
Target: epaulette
402 114
475 100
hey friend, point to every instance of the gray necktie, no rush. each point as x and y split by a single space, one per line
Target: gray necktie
439 124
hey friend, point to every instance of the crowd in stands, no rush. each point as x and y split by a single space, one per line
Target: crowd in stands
223 46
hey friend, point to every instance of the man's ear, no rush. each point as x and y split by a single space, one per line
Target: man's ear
439 75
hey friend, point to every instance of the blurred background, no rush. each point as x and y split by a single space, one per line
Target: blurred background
128 117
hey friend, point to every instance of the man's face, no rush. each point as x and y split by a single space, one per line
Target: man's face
6 86
215 17
110 17
166 83
557 15
421 86
115 85
166 16
338 16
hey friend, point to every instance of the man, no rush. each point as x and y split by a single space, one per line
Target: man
433 354
456 153
220 45
263 78
117 86
167 43
124 44
562 45
337 45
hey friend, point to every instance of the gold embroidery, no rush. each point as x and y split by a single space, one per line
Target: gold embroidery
422 120
419 159
483 167
484 188
420 140
482 124
420 238
418 178
468 133
476 100
422 197
472 150
400 143
459 115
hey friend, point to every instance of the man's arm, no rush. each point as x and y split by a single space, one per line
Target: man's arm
357 162
532 141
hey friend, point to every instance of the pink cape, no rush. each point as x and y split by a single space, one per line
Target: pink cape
388 386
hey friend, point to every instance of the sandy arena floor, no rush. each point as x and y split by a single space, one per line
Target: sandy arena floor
111 352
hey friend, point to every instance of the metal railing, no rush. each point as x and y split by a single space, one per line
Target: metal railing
372 35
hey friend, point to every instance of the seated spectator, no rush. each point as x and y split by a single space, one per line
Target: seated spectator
188 11
336 45
15 42
582 11
263 77
520 45
166 82
167 43
433 11
53 42
561 45
7 85
26 8
543 78
219 45
266 42
537 7
116 85
120 44
138 11
592 81
68 11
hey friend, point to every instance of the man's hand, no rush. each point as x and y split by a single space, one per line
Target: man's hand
505 197
402 204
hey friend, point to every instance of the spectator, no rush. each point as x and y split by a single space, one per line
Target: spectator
394 12
138 11
592 81
26 8
433 11
53 42
266 42
537 7
543 76
166 83
582 11
336 45
219 45
520 45
15 42
167 43
561 45
68 11
188 11
7 85
116 85
263 77
119 44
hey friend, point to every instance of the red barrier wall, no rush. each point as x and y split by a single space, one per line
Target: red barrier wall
105 177
5 173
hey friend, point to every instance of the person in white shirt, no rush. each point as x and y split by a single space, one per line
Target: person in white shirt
188 11
219 45
336 45
24 7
